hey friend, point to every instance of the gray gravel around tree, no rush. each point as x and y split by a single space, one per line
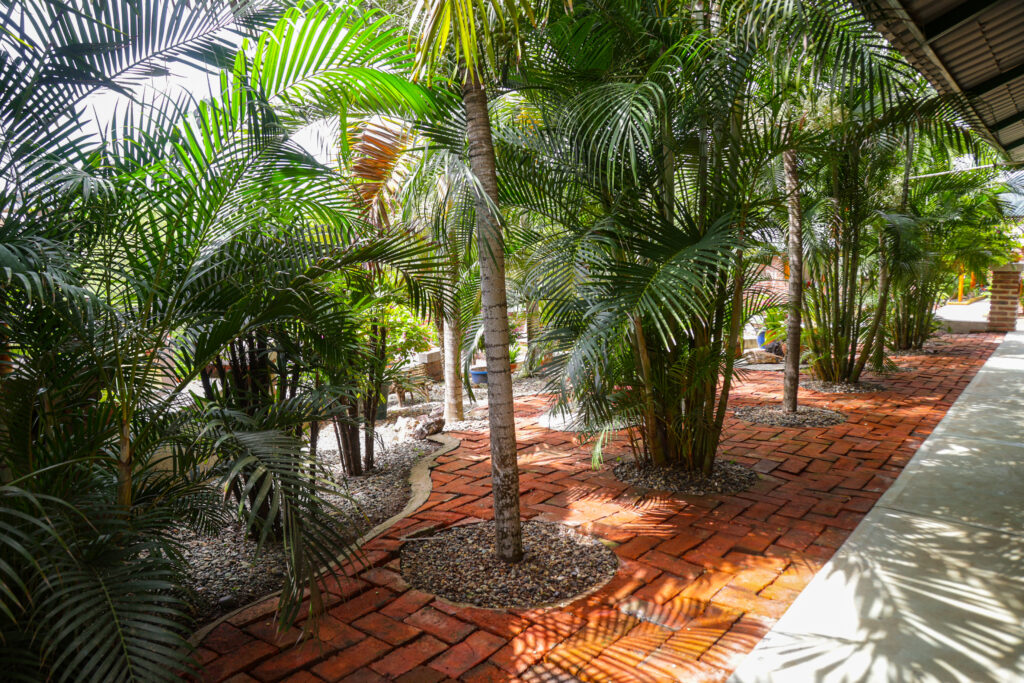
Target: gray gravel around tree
726 477
806 416
460 564
823 387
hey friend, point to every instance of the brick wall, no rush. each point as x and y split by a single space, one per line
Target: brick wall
1005 300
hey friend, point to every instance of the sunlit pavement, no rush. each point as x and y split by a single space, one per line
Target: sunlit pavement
930 587
701 579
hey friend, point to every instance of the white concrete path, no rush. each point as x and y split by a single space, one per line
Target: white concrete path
930 586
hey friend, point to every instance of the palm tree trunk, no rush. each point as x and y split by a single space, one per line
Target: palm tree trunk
375 391
883 295
707 461
532 335
491 248
875 343
791 382
453 409
651 437
124 466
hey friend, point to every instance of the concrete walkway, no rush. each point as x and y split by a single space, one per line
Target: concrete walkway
930 586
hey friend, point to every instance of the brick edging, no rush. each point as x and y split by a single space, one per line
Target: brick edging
421 486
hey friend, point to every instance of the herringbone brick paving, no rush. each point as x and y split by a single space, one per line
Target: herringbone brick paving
701 578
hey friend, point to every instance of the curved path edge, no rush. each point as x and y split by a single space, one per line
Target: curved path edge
421 485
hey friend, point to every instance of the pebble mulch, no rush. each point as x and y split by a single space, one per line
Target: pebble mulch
459 564
225 571
805 416
841 387
931 347
726 477
383 491
475 420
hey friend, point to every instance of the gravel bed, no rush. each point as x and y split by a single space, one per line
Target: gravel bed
929 349
726 477
459 564
776 417
224 570
841 387
383 491
528 386
521 386
480 425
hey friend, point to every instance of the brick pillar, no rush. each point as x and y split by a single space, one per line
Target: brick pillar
1004 300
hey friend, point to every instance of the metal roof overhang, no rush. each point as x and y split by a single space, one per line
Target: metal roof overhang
974 48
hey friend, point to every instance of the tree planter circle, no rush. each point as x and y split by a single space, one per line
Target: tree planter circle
726 477
459 564
823 387
806 416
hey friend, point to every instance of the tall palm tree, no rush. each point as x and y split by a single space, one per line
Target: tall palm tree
795 257
469 26
657 156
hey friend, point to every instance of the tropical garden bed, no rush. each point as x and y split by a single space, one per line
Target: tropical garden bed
203 285
227 570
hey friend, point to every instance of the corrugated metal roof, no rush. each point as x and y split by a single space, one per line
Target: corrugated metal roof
971 47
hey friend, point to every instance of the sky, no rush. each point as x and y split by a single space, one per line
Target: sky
183 81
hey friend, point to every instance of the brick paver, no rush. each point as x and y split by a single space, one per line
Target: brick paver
701 578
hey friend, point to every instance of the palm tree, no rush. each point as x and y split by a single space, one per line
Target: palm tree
951 220
795 254
136 259
466 24
675 151
662 126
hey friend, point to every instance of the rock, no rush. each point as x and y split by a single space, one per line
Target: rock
774 348
227 601
427 426
405 427
760 357
438 411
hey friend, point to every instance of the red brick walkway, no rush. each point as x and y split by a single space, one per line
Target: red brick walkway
701 579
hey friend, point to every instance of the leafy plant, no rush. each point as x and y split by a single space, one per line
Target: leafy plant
134 261
774 323
514 349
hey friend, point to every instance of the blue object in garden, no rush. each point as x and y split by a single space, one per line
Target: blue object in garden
478 376
761 337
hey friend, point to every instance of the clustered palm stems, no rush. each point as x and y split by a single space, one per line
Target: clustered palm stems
650 139
171 242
